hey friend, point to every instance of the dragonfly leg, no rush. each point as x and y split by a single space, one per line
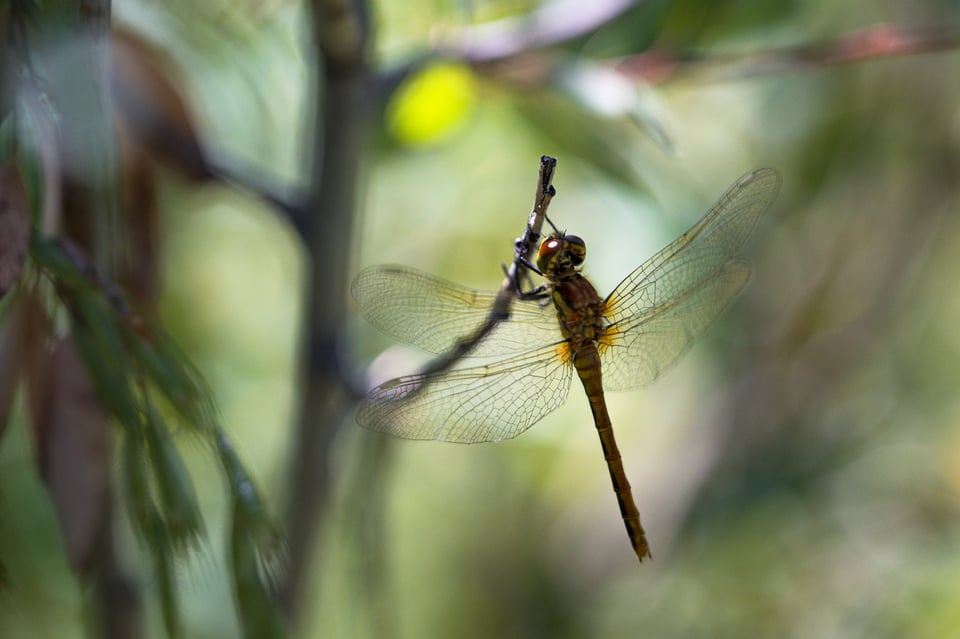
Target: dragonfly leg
537 293
540 293
530 265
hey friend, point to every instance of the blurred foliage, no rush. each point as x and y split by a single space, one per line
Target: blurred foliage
431 105
797 474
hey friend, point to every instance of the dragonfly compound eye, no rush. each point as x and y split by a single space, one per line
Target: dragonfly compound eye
576 249
549 249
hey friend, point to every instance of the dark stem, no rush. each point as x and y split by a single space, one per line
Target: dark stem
340 37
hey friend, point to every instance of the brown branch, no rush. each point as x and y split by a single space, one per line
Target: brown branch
531 63
870 43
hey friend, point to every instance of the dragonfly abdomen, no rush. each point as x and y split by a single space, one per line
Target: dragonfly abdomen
587 362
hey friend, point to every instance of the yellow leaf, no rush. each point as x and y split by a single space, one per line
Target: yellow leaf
431 104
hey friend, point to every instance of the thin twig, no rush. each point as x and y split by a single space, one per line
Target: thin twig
287 202
526 60
525 245
861 45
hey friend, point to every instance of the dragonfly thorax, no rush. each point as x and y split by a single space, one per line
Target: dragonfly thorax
560 254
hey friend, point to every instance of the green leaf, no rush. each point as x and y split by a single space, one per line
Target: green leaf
181 514
256 549
174 377
143 508
163 564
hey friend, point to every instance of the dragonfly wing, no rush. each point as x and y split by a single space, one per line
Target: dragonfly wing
433 314
635 351
698 253
668 301
470 405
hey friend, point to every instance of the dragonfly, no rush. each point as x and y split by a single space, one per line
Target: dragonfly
619 342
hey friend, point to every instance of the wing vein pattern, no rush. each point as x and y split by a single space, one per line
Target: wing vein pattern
470 405
433 314
662 306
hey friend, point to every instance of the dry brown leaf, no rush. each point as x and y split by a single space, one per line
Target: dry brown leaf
152 107
14 226
8 372
32 333
72 439
153 124
138 195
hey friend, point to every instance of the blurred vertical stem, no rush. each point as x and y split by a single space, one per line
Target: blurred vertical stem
74 52
340 37
78 61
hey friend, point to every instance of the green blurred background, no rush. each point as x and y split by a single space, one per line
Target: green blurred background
798 473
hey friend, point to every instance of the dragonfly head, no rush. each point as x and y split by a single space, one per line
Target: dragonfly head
560 252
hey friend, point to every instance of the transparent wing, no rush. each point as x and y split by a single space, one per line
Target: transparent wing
481 404
636 350
699 252
433 314
669 300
